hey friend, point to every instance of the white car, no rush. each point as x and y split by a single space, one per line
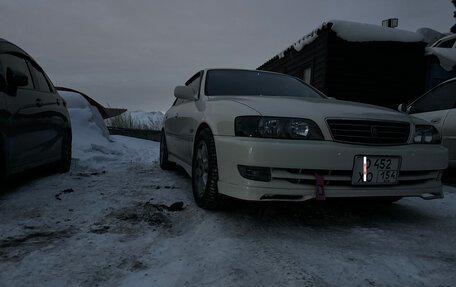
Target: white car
265 136
438 106
445 42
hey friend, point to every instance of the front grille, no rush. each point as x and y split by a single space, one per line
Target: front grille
369 132
344 177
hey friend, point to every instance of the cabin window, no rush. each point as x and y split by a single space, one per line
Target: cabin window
307 75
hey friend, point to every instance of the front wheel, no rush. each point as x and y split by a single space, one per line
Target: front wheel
64 164
3 165
205 171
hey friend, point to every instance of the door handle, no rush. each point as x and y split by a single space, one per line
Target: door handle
38 103
176 115
436 120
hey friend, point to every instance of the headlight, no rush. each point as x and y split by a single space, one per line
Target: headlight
272 127
426 134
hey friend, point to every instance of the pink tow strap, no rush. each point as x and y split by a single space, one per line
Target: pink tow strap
319 187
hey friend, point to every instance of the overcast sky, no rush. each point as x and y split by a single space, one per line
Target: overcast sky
132 53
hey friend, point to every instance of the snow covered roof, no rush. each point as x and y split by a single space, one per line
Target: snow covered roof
356 32
360 32
446 56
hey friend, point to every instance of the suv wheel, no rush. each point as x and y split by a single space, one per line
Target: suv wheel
3 167
64 164
165 164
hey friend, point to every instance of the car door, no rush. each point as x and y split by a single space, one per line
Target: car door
435 105
173 130
188 114
449 130
438 108
23 127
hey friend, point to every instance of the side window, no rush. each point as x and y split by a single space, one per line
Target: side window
447 44
178 102
441 98
41 84
13 62
195 83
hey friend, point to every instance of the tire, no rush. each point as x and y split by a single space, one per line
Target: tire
165 164
64 164
3 165
205 171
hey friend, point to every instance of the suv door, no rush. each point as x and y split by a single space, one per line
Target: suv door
4 116
52 121
23 129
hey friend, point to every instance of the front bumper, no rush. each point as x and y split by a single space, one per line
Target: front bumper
293 163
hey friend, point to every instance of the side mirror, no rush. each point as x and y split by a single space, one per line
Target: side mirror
184 92
403 108
332 98
16 78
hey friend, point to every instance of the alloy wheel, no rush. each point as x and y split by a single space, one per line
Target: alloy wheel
202 168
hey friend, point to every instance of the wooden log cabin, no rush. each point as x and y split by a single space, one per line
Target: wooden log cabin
357 62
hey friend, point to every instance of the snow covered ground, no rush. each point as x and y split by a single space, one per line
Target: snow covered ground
100 225
108 223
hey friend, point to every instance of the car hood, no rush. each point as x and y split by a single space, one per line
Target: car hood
313 108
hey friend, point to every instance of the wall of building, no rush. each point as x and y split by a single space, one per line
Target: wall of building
380 73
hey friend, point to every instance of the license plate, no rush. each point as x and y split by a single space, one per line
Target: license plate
375 170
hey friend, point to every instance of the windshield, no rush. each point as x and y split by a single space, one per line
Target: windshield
255 83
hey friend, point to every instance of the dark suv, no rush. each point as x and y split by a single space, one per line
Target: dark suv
35 126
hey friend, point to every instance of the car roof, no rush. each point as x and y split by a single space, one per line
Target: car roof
233 69
247 70
7 46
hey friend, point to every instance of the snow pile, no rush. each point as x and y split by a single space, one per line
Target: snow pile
446 56
151 120
89 130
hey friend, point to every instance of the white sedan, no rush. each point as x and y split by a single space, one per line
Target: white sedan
264 136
